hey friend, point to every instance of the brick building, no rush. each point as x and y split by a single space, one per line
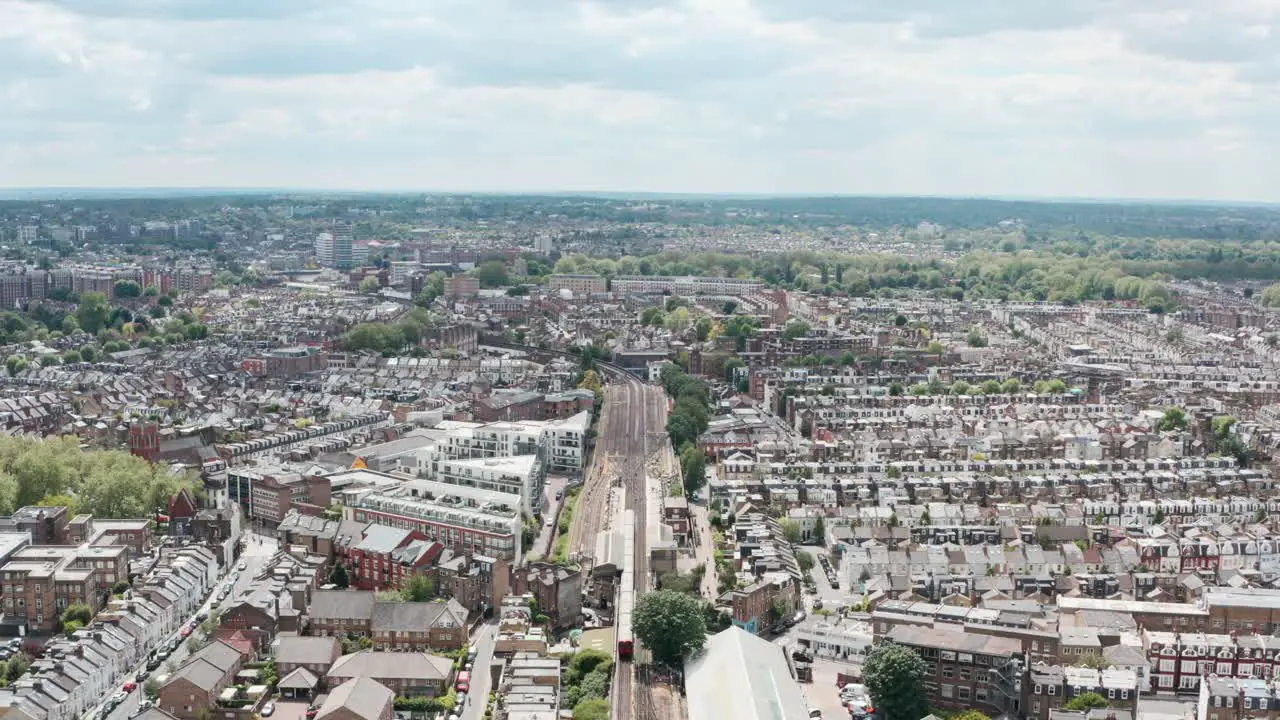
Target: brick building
382 557
966 670
341 612
407 674
1050 687
557 589
199 681
419 626
47 525
40 582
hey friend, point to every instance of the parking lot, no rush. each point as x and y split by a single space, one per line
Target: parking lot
823 693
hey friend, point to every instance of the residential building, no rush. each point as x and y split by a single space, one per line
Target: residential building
439 625
199 681
407 674
341 612
966 670
579 285
358 699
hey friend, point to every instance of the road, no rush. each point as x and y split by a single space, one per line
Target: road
483 641
255 555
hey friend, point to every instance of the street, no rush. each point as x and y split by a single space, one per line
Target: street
483 641
255 555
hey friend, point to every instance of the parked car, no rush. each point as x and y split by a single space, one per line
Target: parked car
243 564
130 686
186 631
142 676
119 697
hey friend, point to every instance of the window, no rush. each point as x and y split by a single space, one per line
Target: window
1165 681
948 691
963 692
1053 689
1039 689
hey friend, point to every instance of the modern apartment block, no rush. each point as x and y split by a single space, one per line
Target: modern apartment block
686 285
461 524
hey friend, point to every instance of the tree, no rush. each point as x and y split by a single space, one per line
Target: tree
1085 702
89 353
151 687
670 625
93 312
935 348
976 338
151 291
694 469
17 667
900 321
432 288
970 715
678 320
77 612
1012 386
492 274
16 364
591 709
71 356
1175 418
791 530
820 530
338 576
585 662
702 328
805 559
991 387
418 588
894 675
795 329
369 285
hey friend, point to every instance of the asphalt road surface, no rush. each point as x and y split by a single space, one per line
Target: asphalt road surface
255 555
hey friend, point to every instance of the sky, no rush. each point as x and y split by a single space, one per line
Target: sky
1162 99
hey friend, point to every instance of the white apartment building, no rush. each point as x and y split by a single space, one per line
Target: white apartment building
519 475
560 443
691 285
847 640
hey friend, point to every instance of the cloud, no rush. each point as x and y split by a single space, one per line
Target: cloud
1062 98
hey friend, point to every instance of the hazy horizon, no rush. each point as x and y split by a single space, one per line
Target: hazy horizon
1076 99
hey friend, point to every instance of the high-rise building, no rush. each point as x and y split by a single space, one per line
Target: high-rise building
28 234
335 249
324 249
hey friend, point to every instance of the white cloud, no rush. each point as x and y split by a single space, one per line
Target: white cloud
1038 97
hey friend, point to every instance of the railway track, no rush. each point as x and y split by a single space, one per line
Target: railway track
630 435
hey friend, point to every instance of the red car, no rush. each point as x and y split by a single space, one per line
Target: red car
130 686
186 631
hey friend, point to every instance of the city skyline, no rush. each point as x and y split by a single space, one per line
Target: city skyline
1068 100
